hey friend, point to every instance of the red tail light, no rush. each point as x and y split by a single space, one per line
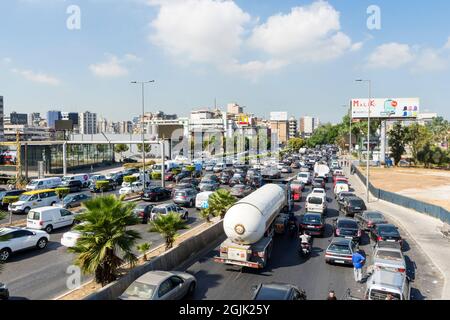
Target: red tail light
338 231
380 238
370 224
401 270
141 214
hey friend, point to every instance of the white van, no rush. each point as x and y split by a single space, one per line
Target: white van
49 218
201 198
82 177
46 183
316 203
304 177
34 199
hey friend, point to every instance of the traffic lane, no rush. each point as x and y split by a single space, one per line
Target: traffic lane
219 281
42 274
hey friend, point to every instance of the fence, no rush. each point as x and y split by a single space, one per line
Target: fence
427 208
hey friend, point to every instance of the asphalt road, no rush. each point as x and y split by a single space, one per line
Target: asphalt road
219 281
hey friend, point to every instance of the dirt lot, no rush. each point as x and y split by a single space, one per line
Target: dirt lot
432 186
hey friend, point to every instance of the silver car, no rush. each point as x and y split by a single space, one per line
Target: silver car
161 285
389 256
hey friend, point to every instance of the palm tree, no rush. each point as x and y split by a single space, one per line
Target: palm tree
206 214
105 237
143 248
168 225
220 201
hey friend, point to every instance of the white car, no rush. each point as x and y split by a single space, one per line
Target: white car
316 203
135 187
69 238
319 191
304 177
16 239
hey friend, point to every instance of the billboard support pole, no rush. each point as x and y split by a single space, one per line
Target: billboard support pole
64 147
383 142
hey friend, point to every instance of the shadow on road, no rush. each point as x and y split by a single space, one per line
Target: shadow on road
207 281
32 252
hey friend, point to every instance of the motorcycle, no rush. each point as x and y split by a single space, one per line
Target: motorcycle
305 249
292 229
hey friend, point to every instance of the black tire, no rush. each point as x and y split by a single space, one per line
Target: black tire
191 289
186 216
53 203
5 254
42 243
48 229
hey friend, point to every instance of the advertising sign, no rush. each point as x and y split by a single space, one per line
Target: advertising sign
244 119
279 116
389 108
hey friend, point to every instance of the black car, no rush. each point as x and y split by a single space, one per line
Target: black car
313 224
118 178
386 232
348 229
156 194
318 183
10 193
182 175
225 177
142 211
129 160
353 205
368 219
129 172
75 200
73 185
341 197
112 185
4 292
278 291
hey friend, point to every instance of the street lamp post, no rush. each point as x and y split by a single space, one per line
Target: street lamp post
368 136
142 83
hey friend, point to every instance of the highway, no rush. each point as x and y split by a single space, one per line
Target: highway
219 281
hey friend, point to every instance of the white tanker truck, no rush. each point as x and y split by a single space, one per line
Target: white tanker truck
249 226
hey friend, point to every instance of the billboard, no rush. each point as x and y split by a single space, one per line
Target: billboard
389 108
61 125
165 131
244 119
279 116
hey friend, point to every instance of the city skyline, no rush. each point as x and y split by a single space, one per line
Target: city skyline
87 69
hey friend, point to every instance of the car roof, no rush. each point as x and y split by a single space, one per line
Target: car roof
154 277
339 240
46 208
346 220
278 289
164 205
388 278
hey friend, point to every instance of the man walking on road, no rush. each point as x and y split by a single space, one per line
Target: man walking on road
358 263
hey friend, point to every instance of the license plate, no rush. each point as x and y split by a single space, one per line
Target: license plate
357 208
390 240
339 261
348 237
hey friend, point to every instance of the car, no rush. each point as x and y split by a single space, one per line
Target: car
4 292
96 177
278 291
135 187
193 181
9 193
339 179
341 186
83 178
49 218
347 228
388 257
386 232
142 211
219 167
318 183
161 285
382 283
241 190
110 186
304 177
271 173
34 199
255 182
297 188
205 183
183 174
368 219
209 167
201 198
117 177
316 203
237 178
156 194
69 239
74 200
341 196
286 169
313 224
319 191
165 208
130 171
295 165
225 177
169 176
14 239
340 251
72 185
352 206
185 197
129 160
45 183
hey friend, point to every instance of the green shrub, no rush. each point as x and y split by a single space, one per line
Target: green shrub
101 184
130 179
62 192
10 199
138 165
156 175
176 170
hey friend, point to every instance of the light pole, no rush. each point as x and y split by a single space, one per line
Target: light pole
350 134
368 135
142 83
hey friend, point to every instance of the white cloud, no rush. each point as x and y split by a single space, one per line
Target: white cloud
391 56
356 46
6 60
199 30
113 67
37 77
447 45
309 33
430 60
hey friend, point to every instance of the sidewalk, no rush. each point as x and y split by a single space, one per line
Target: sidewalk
423 229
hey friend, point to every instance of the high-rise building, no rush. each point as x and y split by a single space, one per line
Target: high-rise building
234 108
125 127
293 132
2 130
52 116
88 122
103 125
70 116
17 118
308 125
34 119
281 129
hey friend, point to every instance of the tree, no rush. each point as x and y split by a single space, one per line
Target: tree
397 141
417 137
167 226
220 201
121 148
296 143
440 129
104 235
147 147
206 214
143 248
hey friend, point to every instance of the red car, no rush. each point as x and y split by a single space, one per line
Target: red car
336 179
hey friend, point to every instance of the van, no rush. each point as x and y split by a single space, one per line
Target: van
304 177
82 177
201 198
34 199
49 218
316 203
46 183
382 283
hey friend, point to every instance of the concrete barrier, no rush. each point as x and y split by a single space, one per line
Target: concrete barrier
171 259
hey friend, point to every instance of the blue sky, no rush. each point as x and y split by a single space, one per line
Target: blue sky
268 55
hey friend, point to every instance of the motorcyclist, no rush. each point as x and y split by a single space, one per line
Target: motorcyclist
305 239
292 220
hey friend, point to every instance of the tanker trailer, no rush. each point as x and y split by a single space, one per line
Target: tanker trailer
248 225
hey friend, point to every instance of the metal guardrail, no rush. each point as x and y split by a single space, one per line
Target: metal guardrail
420 206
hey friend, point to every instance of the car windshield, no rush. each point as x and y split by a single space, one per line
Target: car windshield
33 182
375 216
140 290
341 248
68 198
159 210
303 175
318 191
348 225
387 229
389 255
24 197
357 203
268 293
180 193
312 219
315 200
